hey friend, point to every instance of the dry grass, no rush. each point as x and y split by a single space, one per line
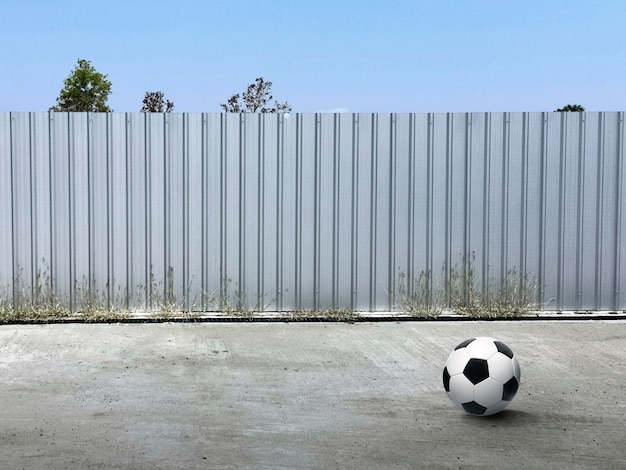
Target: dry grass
424 297
511 297
421 298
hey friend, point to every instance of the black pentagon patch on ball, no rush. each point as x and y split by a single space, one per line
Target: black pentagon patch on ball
504 349
476 370
510 389
464 343
474 408
446 379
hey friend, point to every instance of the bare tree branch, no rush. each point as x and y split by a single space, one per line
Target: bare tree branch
255 99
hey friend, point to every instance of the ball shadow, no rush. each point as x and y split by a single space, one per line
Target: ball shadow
506 416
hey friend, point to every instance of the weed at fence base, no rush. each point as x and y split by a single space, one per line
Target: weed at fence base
419 298
427 297
511 297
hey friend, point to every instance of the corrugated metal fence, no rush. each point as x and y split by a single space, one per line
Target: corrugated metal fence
310 211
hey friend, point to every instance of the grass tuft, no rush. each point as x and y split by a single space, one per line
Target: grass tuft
25 303
512 297
420 298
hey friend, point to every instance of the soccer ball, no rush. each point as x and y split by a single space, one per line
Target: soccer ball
481 376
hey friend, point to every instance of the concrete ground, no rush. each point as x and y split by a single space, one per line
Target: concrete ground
304 395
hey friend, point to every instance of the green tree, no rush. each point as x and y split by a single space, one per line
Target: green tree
571 108
85 90
153 103
255 99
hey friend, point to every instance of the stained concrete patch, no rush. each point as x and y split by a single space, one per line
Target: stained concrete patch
304 395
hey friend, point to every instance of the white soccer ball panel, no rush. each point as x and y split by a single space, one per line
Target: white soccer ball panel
461 389
453 400
457 361
500 368
488 392
492 410
482 348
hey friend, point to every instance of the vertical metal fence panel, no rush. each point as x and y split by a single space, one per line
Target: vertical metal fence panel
81 200
364 163
495 193
401 199
587 209
440 203
288 185
458 165
326 241
382 210
147 166
193 226
262 279
533 204
60 262
210 191
132 182
6 211
417 210
99 201
610 211
309 211
551 207
40 224
343 275
175 210
473 190
120 290
40 202
620 203
22 203
250 208
511 170
568 241
232 154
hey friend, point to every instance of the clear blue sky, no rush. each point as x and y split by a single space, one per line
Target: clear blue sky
323 55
